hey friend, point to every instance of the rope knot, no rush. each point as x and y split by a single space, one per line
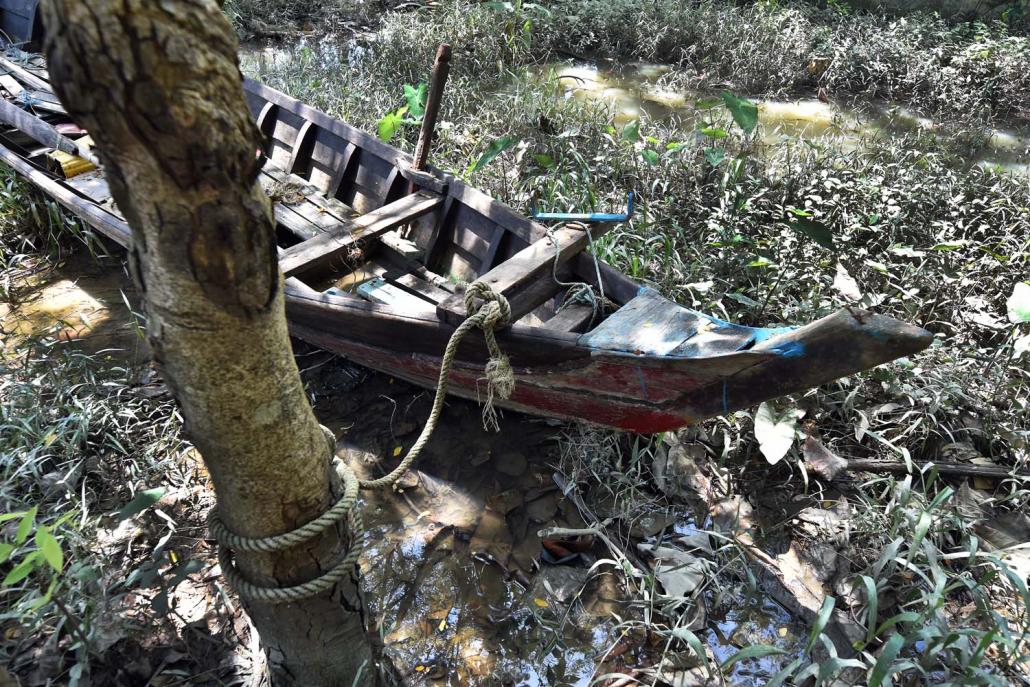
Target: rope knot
489 310
478 296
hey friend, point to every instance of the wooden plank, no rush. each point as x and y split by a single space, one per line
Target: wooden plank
266 120
110 225
324 247
11 85
491 252
473 244
346 171
421 288
24 75
434 246
571 318
294 223
332 206
518 279
302 147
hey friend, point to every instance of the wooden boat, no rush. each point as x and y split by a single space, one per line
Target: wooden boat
371 269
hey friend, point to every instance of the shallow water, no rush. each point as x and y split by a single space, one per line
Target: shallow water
80 304
640 90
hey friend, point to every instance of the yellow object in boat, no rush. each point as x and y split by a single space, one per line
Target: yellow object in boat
70 165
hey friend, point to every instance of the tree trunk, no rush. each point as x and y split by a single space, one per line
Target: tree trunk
158 86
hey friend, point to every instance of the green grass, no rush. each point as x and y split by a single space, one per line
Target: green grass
78 437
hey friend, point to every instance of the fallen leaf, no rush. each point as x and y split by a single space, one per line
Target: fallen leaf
846 285
775 433
821 460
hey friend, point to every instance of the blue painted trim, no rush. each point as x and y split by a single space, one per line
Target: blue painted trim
586 216
791 349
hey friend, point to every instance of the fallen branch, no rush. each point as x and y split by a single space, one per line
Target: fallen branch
959 469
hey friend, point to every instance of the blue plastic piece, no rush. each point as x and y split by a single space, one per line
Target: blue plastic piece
590 217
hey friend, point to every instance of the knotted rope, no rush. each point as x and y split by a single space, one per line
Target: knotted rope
579 291
490 311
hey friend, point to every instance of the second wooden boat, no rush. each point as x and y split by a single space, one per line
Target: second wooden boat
372 270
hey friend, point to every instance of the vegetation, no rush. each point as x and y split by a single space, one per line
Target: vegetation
906 223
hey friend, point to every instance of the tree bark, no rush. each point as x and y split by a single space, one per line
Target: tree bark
157 85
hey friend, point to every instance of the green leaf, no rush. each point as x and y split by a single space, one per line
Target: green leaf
692 640
780 677
715 132
815 230
649 156
921 530
495 148
632 132
22 570
389 124
1018 304
50 548
12 516
143 501
820 621
883 664
903 617
5 552
714 156
753 651
745 112
25 526
416 98
545 161
872 606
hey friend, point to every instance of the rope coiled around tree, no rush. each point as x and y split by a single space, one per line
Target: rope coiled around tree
491 311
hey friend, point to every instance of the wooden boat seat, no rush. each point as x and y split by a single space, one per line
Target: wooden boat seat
654 325
525 278
327 226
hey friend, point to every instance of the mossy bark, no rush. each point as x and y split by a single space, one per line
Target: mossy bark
157 85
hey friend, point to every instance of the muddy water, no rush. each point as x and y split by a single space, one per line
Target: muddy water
80 303
453 564
636 90
456 574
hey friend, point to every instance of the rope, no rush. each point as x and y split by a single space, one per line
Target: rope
578 291
491 312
